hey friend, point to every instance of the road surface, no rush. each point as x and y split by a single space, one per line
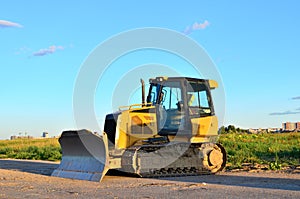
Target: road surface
31 179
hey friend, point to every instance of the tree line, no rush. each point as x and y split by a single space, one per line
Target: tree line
231 129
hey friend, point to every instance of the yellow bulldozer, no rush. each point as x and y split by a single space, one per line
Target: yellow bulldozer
173 132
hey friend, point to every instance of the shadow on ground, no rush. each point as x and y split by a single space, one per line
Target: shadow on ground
43 167
36 167
264 182
225 179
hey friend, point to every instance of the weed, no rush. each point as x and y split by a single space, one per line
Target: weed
272 149
35 149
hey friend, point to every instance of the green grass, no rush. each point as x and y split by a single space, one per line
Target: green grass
272 149
33 149
275 150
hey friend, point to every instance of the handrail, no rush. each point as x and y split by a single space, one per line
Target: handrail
133 105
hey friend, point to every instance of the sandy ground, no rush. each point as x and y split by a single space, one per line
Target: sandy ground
31 179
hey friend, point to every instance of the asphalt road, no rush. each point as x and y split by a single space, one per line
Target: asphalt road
31 179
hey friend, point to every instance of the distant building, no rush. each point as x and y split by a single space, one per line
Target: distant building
290 126
256 131
274 130
45 135
298 126
14 137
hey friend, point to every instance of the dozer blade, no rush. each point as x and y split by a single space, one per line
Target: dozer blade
84 156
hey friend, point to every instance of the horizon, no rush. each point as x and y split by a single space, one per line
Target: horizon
27 134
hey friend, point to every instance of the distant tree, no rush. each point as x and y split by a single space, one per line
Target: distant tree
222 130
231 129
226 129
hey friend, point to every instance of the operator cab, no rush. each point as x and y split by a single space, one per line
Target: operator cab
177 101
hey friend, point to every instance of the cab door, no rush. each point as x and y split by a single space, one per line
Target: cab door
170 107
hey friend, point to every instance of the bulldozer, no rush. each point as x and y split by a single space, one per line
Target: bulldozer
172 132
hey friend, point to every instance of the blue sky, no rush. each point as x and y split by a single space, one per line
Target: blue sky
254 44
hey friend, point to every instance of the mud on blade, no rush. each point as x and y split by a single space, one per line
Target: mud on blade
84 156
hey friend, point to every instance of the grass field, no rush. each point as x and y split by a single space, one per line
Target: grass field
276 150
34 149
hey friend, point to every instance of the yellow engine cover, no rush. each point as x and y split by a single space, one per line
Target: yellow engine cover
204 129
135 125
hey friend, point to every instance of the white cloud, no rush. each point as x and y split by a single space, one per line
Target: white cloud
7 24
46 51
199 26
196 26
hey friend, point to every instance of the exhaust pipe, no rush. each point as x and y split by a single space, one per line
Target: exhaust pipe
143 92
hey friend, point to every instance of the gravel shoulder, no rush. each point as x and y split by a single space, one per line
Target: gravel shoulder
31 179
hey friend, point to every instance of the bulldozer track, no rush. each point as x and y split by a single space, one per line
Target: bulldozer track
190 161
